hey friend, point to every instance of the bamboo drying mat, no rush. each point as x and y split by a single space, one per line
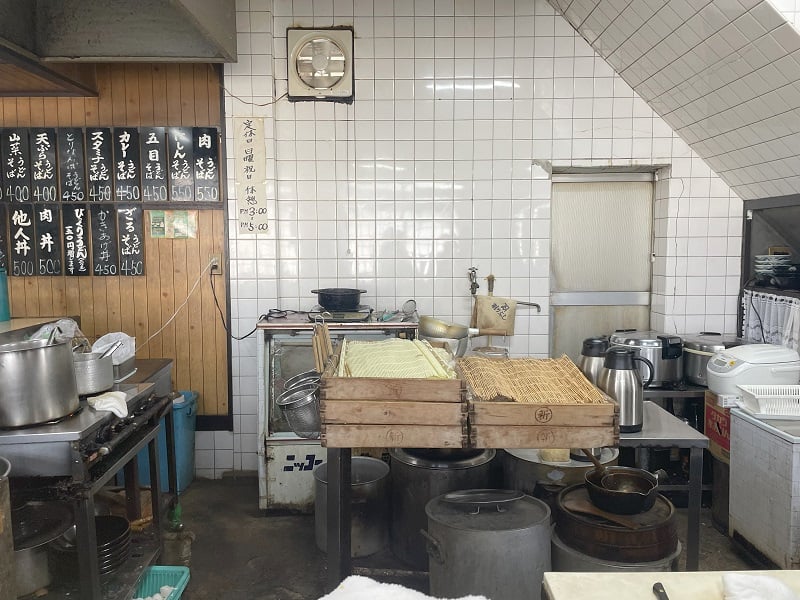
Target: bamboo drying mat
528 380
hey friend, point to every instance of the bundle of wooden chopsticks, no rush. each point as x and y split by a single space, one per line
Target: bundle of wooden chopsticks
321 345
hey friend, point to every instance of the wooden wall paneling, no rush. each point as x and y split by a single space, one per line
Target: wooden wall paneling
160 116
192 377
145 105
210 403
188 98
143 94
151 256
221 336
180 286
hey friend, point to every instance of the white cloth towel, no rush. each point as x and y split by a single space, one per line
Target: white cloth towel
116 402
356 587
739 586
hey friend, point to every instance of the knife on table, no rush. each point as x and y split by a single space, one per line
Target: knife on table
659 591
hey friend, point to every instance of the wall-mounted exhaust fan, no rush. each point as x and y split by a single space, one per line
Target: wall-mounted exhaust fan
320 64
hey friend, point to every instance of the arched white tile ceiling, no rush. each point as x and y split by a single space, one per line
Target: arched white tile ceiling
724 74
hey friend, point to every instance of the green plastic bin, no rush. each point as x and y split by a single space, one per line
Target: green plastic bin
184 414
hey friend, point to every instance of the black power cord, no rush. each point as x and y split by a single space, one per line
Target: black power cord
222 315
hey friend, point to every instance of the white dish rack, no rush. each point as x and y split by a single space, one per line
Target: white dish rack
771 400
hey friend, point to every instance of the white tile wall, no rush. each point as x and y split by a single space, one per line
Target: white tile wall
442 164
725 74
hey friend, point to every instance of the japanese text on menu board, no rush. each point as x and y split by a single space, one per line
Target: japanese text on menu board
57 186
251 175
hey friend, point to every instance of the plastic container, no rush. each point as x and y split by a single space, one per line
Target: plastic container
184 415
772 400
155 578
5 313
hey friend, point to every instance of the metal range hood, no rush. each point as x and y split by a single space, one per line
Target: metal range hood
45 44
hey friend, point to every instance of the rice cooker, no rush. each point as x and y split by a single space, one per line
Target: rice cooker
699 348
665 351
752 364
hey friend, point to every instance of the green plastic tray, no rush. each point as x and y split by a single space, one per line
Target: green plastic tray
156 577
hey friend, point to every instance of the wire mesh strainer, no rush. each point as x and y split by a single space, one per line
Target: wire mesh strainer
300 406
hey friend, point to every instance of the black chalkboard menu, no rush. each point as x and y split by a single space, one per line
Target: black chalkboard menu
181 173
206 164
76 239
47 229
15 151
99 163
72 166
23 247
153 142
3 237
126 164
105 248
44 175
130 223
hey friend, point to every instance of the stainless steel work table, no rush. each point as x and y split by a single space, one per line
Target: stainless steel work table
664 430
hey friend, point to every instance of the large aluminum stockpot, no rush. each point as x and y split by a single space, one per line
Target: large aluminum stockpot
664 350
38 382
698 350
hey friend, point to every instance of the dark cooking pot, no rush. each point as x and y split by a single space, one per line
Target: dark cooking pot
622 490
339 298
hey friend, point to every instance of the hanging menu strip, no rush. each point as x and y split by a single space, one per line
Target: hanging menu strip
105 248
16 165
153 143
72 166
99 163
126 164
44 180
76 239
206 164
47 227
181 174
3 237
130 223
23 255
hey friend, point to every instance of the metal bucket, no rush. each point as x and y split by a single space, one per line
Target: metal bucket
369 488
418 475
524 468
500 550
7 572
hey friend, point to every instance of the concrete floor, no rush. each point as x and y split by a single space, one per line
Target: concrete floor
239 552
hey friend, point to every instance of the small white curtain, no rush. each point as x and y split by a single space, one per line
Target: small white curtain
771 319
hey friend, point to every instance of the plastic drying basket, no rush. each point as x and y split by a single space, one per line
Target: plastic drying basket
773 400
155 578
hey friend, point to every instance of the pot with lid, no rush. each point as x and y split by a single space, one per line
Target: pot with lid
591 360
664 351
494 543
698 350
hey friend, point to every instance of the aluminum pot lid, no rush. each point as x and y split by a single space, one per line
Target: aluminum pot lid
711 342
516 511
639 339
436 458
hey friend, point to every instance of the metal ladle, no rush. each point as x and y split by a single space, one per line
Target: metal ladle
600 466
111 349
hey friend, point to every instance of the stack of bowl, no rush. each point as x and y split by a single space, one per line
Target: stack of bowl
299 403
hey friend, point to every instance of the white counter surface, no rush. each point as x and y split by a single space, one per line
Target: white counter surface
699 585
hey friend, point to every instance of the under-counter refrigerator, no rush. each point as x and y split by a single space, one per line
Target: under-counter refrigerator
765 486
286 461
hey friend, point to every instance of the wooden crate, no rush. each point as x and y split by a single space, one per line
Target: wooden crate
521 425
391 413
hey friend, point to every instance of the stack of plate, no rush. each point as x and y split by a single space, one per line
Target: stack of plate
113 542
776 270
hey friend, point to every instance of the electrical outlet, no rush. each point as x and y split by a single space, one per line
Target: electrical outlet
216 264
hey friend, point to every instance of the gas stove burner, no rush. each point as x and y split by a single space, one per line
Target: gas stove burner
74 413
362 313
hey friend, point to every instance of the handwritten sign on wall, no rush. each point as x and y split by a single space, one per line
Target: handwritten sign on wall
251 175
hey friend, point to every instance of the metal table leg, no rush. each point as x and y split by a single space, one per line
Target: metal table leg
86 543
155 486
339 514
695 493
